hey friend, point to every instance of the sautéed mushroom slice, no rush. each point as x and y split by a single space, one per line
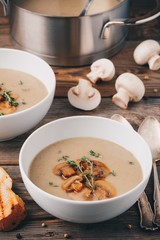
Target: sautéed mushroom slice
96 168
6 108
73 183
84 195
84 179
104 189
64 170
100 170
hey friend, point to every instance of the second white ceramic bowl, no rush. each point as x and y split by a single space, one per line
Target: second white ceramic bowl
15 124
85 126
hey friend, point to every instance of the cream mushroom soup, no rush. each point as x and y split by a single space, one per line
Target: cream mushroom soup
63 7
19 91
85 168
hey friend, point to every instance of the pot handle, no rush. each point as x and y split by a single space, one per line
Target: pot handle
133 21
6 7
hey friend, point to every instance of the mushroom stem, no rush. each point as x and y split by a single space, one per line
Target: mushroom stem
84 96
94 76
129 88
82 88
121 98
102 69
154 62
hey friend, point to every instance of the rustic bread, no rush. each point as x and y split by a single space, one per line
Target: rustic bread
12 207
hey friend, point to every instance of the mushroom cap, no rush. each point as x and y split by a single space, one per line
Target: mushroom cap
132 84
102 69
84 96
104 189
129 88
145 50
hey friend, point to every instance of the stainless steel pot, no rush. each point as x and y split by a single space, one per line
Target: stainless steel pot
71 41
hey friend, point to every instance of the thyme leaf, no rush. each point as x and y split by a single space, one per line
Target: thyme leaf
85 159
73 164
131 163
20 82
95 154
113 173
64 158
52 184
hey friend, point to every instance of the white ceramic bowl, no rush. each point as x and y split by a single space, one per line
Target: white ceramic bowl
15 124
80 211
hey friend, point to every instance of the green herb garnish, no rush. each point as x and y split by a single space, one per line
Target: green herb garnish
95 154
6 96
20 82
64 158
85 159
53 185
131 163
113 173
85 175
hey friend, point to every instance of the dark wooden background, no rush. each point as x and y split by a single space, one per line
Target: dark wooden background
119 227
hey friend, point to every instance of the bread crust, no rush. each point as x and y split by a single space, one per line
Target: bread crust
12 207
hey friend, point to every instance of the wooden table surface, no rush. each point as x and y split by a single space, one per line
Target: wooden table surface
117 228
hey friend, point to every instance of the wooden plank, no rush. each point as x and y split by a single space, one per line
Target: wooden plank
135 113
32 228
123 61
56 230
68 77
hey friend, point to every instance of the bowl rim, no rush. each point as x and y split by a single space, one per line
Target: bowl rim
77 202
49 93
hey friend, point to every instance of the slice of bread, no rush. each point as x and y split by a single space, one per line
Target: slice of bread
12 207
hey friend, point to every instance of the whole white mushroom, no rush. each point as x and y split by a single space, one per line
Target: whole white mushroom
129 88
84 96
101 69
148 52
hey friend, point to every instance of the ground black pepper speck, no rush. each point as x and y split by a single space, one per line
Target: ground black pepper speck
18 236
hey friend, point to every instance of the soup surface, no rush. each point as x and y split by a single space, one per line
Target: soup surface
124 170
19 91
66 7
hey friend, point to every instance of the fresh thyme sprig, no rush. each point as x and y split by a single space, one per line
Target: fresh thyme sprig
76 166
85 159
